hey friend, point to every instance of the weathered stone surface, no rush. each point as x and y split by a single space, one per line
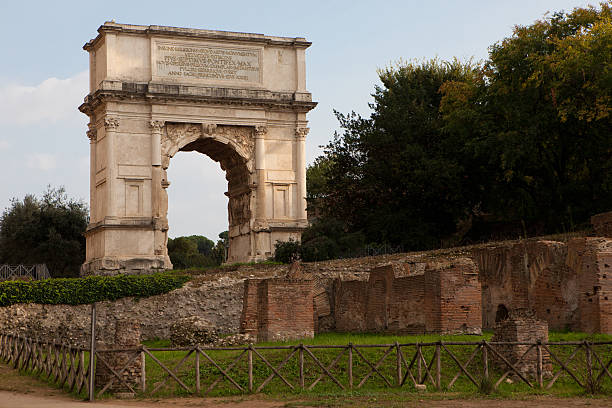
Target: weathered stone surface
127 335
239 98
568 285
602 224
193 330
445 298
521 326
278 309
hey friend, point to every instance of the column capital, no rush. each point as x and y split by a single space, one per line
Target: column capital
157 125
301 132
92 132
260 131
111 123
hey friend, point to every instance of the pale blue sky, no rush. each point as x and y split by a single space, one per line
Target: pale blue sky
43 75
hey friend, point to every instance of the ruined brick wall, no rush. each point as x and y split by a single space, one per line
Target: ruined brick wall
377 300
349 305
127 335
456 290
602 224
521 327
249 317
591 258
406 306
284 309
443 299
528 275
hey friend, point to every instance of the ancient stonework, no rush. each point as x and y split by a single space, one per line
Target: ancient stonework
238 98
445 298
127 335
602 224
521 326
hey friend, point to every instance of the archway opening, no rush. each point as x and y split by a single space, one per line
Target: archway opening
200 202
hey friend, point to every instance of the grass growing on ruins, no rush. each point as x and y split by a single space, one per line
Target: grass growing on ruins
375 384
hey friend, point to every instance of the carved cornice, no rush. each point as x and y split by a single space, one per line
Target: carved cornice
301 133
157 125
265 99
111 123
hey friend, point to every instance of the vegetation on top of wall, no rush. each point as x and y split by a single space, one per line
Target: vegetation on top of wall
76 291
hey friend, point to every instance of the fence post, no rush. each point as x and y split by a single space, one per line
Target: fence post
92 353
398 363
539 367
419 362
589 364
485 360
302 365
438 367
350 365
250 359
143 374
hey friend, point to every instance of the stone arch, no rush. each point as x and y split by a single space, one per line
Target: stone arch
174 93
233 148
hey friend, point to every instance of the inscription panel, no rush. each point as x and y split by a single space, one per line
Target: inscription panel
191 62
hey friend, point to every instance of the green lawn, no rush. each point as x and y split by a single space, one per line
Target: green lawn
564 386
375 385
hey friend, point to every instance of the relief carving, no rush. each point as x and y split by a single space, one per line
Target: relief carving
301 133
242 136
111 123
239 211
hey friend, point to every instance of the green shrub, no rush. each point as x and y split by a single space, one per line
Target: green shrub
287 251
76 291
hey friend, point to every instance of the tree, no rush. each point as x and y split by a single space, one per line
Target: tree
397 177
538 116
45 230
195 251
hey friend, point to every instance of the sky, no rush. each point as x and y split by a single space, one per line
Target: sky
44 76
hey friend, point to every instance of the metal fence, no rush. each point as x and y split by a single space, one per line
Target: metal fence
252 369
30 272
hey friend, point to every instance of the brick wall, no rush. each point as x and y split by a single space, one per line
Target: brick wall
445 298
521 327
349 305
278 309
528 275
602 224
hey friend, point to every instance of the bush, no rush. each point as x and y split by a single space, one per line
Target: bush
76 291
287 251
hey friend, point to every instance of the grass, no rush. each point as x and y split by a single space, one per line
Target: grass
327 391
375 384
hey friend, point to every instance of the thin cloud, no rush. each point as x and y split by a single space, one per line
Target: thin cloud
41 161
4 144
52 100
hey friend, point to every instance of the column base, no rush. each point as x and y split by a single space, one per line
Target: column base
138 265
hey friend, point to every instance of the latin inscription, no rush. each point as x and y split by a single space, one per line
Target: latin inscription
202 62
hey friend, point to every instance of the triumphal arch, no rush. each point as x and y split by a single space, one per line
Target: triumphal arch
239 98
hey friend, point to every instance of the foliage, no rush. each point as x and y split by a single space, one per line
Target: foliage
197 251
458 152
45 230
538 121
75 291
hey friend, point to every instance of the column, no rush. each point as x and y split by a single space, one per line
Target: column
260 168
156 132
92 135
300 171
110 125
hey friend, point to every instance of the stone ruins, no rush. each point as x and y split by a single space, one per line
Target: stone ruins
239 98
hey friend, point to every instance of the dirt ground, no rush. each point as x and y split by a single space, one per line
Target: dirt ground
21 391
